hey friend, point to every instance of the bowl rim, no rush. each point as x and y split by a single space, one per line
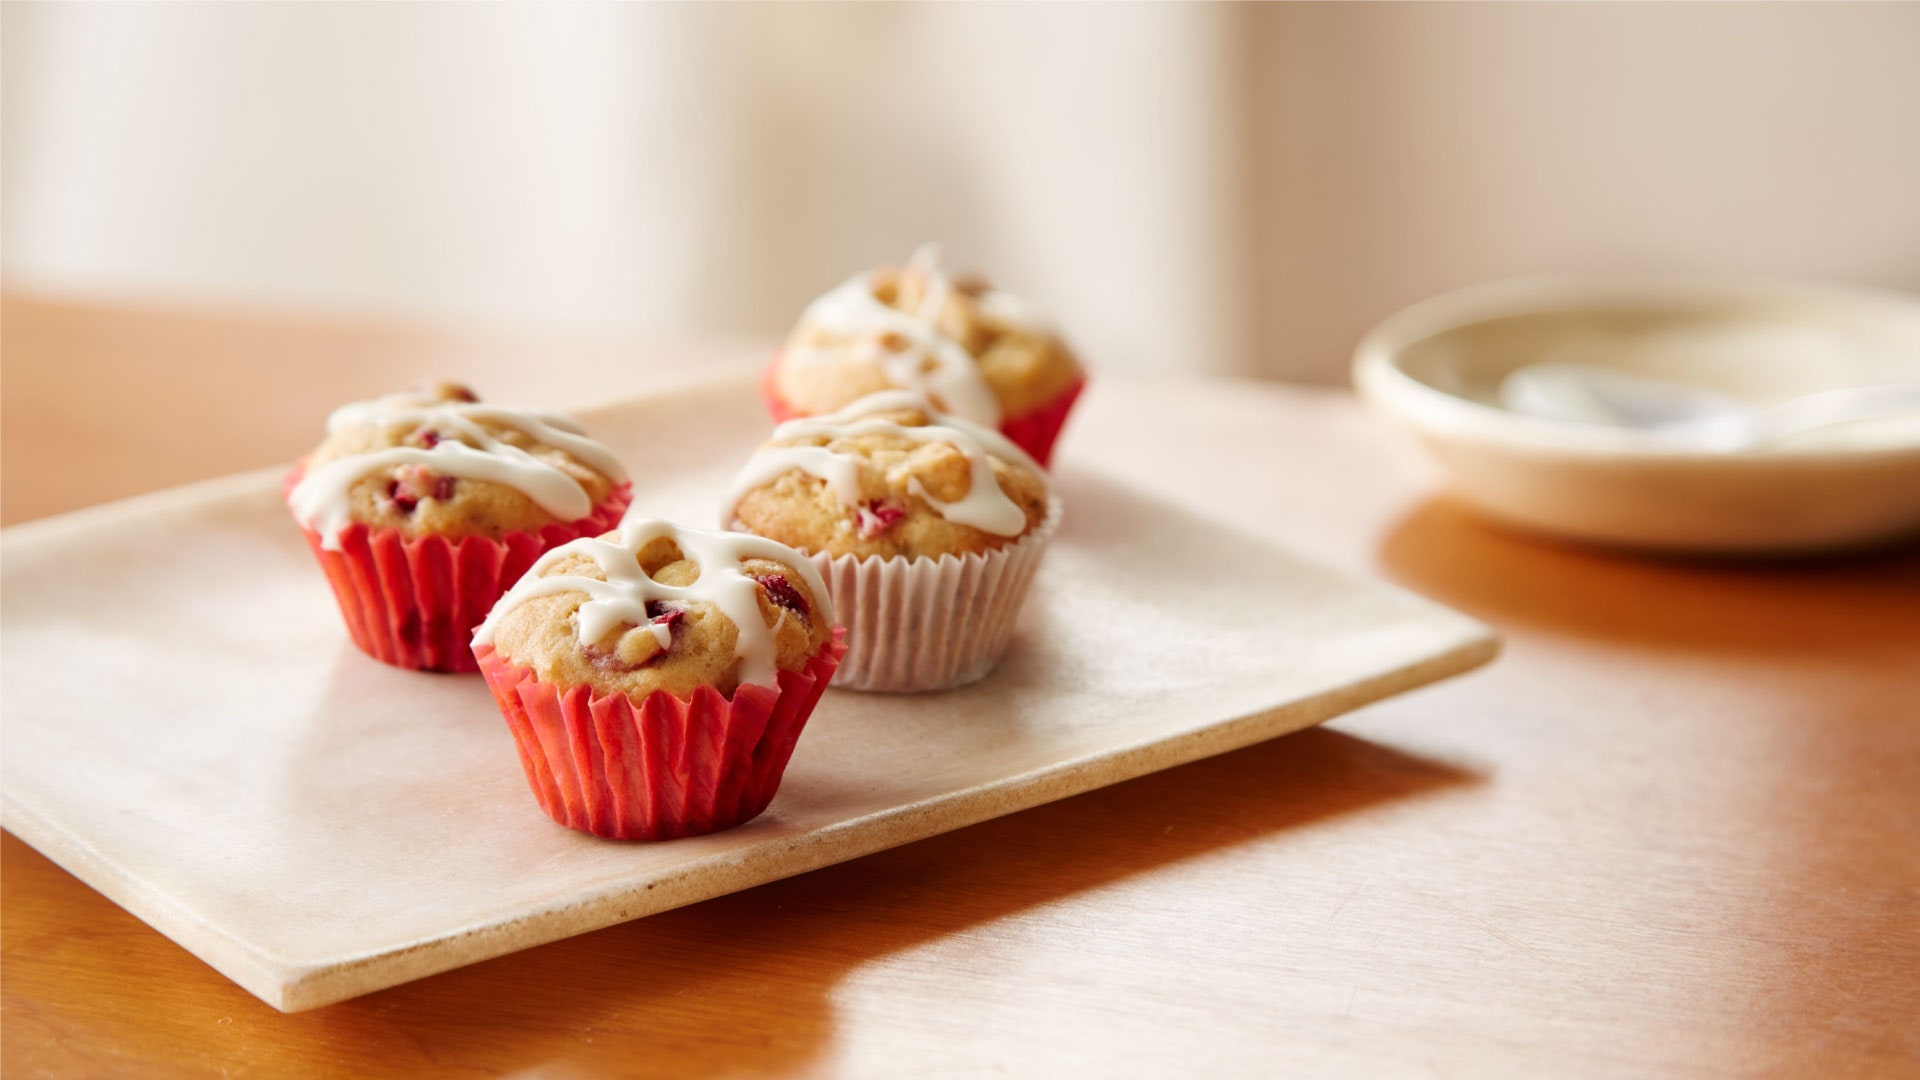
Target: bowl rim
1380 379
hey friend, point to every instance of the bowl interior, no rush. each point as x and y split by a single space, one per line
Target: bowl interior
1758 352
1759 346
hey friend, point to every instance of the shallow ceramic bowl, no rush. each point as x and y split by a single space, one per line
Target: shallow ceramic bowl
1437 367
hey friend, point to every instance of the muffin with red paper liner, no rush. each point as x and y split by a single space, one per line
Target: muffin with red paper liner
927 529
972 350
656 678
424 506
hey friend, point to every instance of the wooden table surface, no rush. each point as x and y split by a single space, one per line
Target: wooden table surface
1674 830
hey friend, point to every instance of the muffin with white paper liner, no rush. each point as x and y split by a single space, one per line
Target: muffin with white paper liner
926 528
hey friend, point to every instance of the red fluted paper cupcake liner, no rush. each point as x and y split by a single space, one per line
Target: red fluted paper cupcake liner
1037 431
413 603
781 409
663 768
1034 431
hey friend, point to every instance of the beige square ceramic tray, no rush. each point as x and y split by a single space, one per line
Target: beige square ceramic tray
187 729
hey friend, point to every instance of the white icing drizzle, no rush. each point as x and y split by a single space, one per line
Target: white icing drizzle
321 500
985 506
932 363
622 598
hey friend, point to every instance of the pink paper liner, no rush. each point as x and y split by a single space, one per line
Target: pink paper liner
777 405
414 603
663 768
1035 431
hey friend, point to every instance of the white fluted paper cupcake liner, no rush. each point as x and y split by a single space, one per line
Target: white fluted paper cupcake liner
931 624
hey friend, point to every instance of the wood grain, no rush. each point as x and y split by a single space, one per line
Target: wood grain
1675 830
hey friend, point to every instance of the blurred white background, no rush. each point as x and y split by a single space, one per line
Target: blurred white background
1218 188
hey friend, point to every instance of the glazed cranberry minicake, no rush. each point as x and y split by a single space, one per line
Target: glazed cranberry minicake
927 529
889 477
657 678
423 506
437 461
654 607
973 351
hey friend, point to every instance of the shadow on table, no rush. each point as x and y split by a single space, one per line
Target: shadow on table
1806 607
743 983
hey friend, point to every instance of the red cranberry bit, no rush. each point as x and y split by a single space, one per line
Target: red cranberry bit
670 616
402 501
428 437
783 594
877 517
411 483
659 614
